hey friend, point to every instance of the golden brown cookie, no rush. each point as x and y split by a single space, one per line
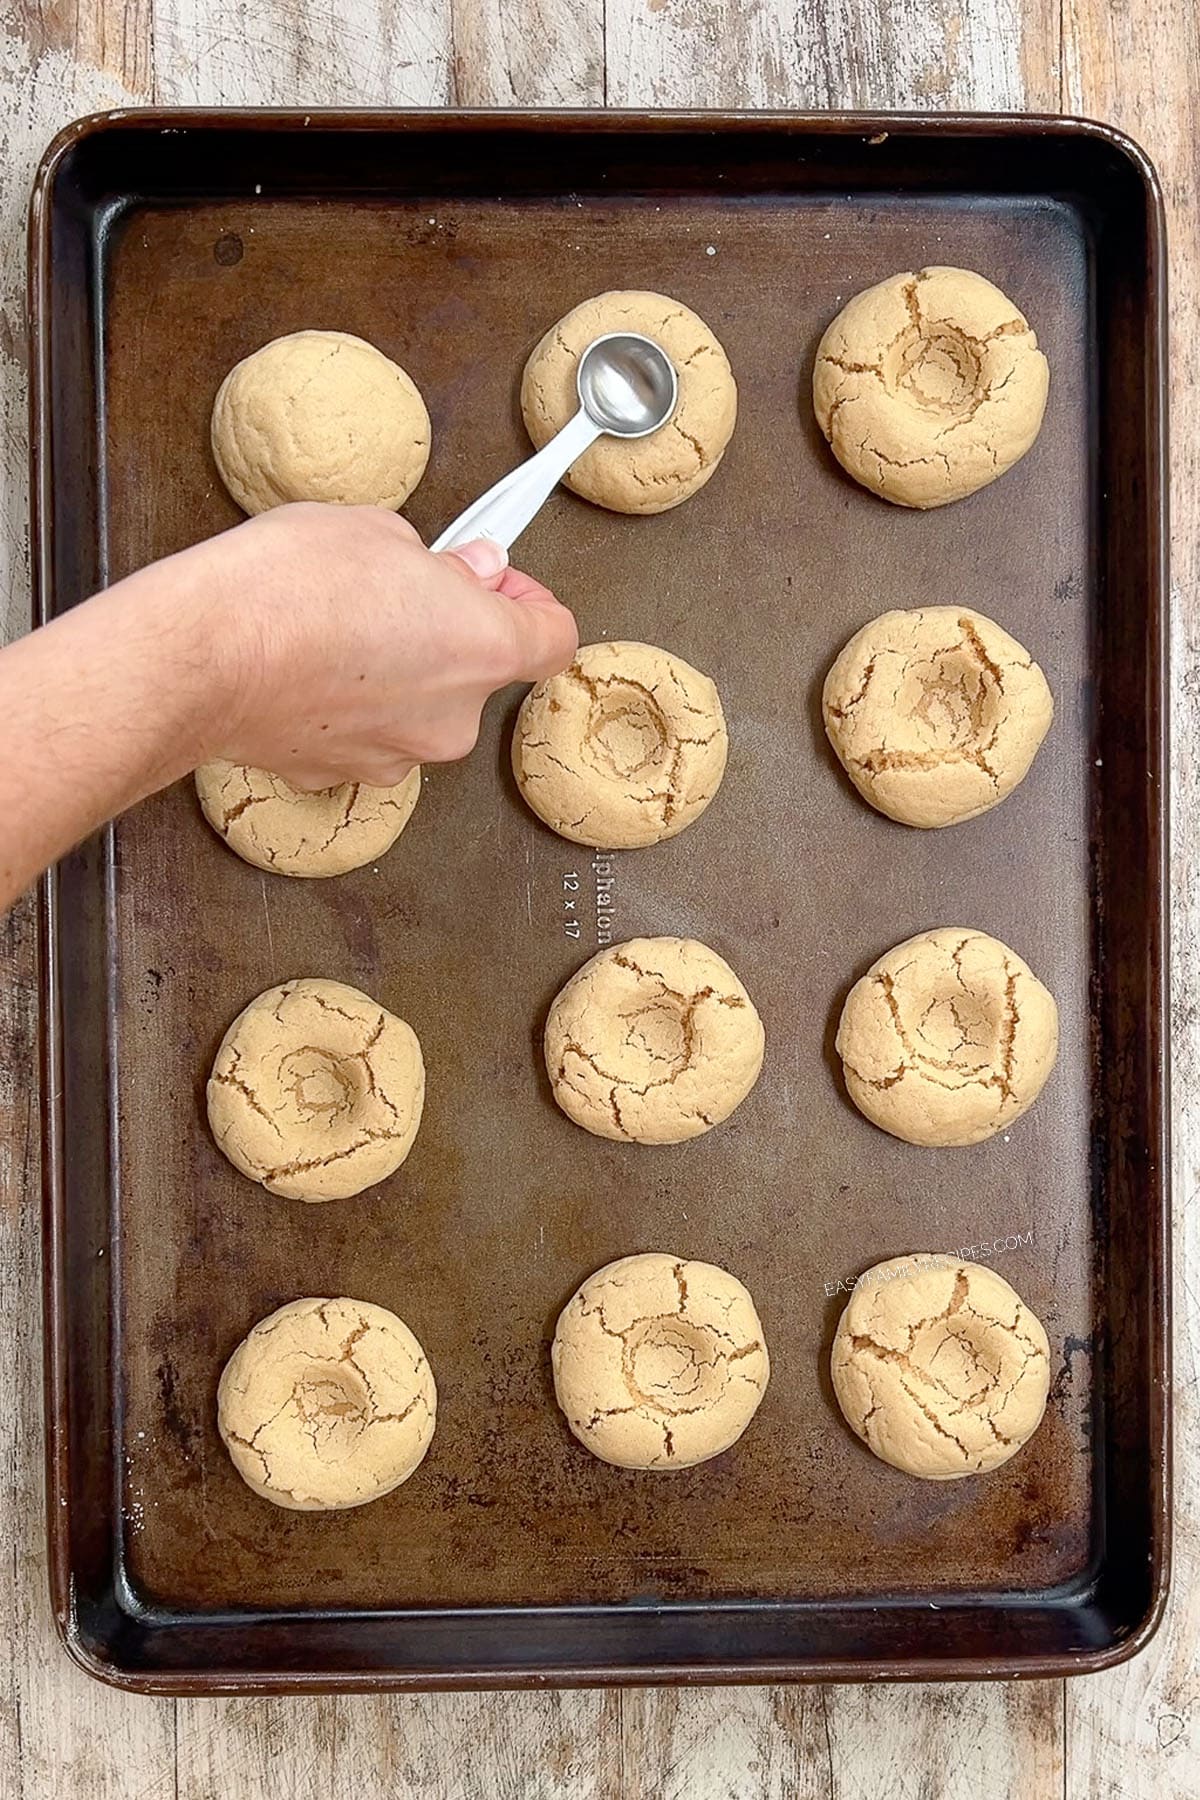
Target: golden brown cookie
316 1090
623 749
653 1041
929 385
948 1038
637 475
936 714
327 1404
319 415
276 826
940 1367
659 1362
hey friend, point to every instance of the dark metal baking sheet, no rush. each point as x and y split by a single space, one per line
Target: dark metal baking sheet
164 247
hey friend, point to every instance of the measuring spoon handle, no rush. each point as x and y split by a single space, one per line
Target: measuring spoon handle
506 509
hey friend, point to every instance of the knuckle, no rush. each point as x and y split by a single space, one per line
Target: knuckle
453 739
391 772
390 522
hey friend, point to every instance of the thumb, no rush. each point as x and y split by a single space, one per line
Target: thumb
545 635
483 559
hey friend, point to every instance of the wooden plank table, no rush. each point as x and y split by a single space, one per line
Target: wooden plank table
1133 1732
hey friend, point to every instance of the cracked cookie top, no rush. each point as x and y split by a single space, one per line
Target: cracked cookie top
653 1041
316 1091
935 714
276 826
623 749
948 1038
319 415
940 1367
929 385
659 1363
636 475
327 1404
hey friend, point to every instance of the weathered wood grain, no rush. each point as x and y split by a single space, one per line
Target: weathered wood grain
863 1743
42 86
726 1744
991 55
955 1742
1136 1731
528 52
448 1747
301 53
20 1425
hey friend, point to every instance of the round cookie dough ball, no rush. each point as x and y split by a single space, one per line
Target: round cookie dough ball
659 1363
319 415
929 386
948 1038
653 1041
940 1367
636 475
624 748
935 715
316 1091
276 826
327 1404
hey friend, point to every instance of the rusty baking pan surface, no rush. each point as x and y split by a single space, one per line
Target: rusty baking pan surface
165 247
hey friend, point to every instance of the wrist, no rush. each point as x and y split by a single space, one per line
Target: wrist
238 635
168 623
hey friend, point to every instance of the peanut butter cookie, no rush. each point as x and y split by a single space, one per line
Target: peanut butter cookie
936 715
327 1404
319 415
642 475
316 1090
659 1363
653 1041
276 826
940 1368
948 1038
929 385
623 749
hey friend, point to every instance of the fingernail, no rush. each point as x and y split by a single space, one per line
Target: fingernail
485 557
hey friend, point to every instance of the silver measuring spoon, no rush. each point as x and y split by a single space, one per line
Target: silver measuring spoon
627 388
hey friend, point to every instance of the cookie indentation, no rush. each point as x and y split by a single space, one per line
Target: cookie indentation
658 1041
332 1401
659 1362
628 733
938 368
672 1365
624 749
323 1086
935 714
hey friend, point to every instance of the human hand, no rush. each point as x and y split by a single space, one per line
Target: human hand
350 652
